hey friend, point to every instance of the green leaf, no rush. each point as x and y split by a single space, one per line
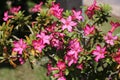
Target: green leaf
106 7
1 57
100 69
66 72
67 13
105 65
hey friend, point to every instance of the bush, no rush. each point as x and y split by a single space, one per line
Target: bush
73 41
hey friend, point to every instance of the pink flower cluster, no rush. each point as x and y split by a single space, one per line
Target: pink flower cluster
110 39
60 67
74 49
114 26
99 53
19 46
56 11
57 40
117 56
91 9
37 7
77 15
43 39
38 45
6 16
12 10
68 24
68 50
89 30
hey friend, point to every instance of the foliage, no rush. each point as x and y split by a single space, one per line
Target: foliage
75 45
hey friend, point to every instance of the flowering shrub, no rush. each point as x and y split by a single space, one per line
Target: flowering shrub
74 43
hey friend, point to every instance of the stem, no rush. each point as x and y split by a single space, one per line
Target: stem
30 29
15 37
110 76
50 57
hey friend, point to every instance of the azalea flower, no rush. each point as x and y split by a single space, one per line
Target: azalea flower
77 15
57 40
75 45
6 16
60 67
56 11
114 26
51 28
68 23
117 57
61 78
50 68
110 39
72 54
91 9
99 53
15 9
21 60
89 30
37 7
59 75
80 66
38 44
19 46
44 37
58 35
57 43
71 57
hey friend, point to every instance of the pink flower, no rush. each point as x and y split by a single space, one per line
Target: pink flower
61 78
19 46
71 57
110 39
75 45
89 30
21 60
15 9
61 65
60 70
117 57
91 9
37 7
114 26
57 40
119 49
50 68
58 35
99 53
68 23
56 11
77 15
80 66
51 28
44 37
57 43
38 44
59 75
6 16
72 54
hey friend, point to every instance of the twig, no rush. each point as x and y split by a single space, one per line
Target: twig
110 76
30 29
